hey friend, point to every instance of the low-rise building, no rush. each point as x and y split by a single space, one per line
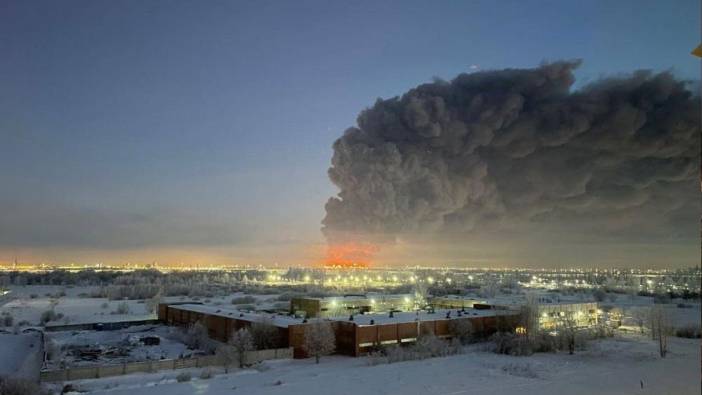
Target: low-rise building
553 310
455 302
333 306
355 334
580 315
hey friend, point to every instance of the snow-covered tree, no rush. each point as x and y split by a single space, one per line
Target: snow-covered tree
226 355
660 328
568 330
197 338
241 342
151 304
529 317
319 339
639 316
461 329
265 335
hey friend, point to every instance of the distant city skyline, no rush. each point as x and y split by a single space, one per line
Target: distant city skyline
202 132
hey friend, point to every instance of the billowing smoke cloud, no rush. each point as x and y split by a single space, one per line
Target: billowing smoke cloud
518 151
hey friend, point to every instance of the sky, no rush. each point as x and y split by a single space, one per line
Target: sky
202 132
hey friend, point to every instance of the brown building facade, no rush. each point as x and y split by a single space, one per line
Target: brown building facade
353 338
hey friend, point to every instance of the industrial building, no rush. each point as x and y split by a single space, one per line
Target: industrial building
355 334
552 309
352 304
457 302
583 314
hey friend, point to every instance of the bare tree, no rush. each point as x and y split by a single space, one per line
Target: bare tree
319 339
461 329
639 316
151 304
265 335
197 337
568 330
420 294
226 355
660 328
529 317
241 342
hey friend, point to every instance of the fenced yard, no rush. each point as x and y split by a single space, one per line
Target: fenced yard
107 370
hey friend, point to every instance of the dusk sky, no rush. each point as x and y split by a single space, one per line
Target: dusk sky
202 132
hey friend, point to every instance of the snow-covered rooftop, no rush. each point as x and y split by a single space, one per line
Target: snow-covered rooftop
368 296
541 298
276 319
411 316
284 321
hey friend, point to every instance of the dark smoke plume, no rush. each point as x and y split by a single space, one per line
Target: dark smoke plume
517 151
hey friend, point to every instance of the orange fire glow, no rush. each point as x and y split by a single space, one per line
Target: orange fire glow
350 255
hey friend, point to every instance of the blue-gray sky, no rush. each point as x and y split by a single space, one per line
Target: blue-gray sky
202 131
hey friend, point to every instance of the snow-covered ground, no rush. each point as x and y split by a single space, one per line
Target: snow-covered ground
21 355
126 341
612 366
27 303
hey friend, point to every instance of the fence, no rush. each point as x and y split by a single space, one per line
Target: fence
93 372
103 326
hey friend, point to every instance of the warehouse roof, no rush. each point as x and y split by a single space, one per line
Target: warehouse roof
283 321
230 312
402 317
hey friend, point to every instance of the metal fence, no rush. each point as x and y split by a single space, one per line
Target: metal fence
98 371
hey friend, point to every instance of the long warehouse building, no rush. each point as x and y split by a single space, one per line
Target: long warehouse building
355 335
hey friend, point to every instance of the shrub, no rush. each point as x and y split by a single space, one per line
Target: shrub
206 374
183 377
520 370
197 338
122 308
15 386
377 358
461 329
248 299
265 335
427 346
689 332
48 315
395 353
511 344
430 346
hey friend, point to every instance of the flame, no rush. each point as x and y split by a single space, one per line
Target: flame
350 255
